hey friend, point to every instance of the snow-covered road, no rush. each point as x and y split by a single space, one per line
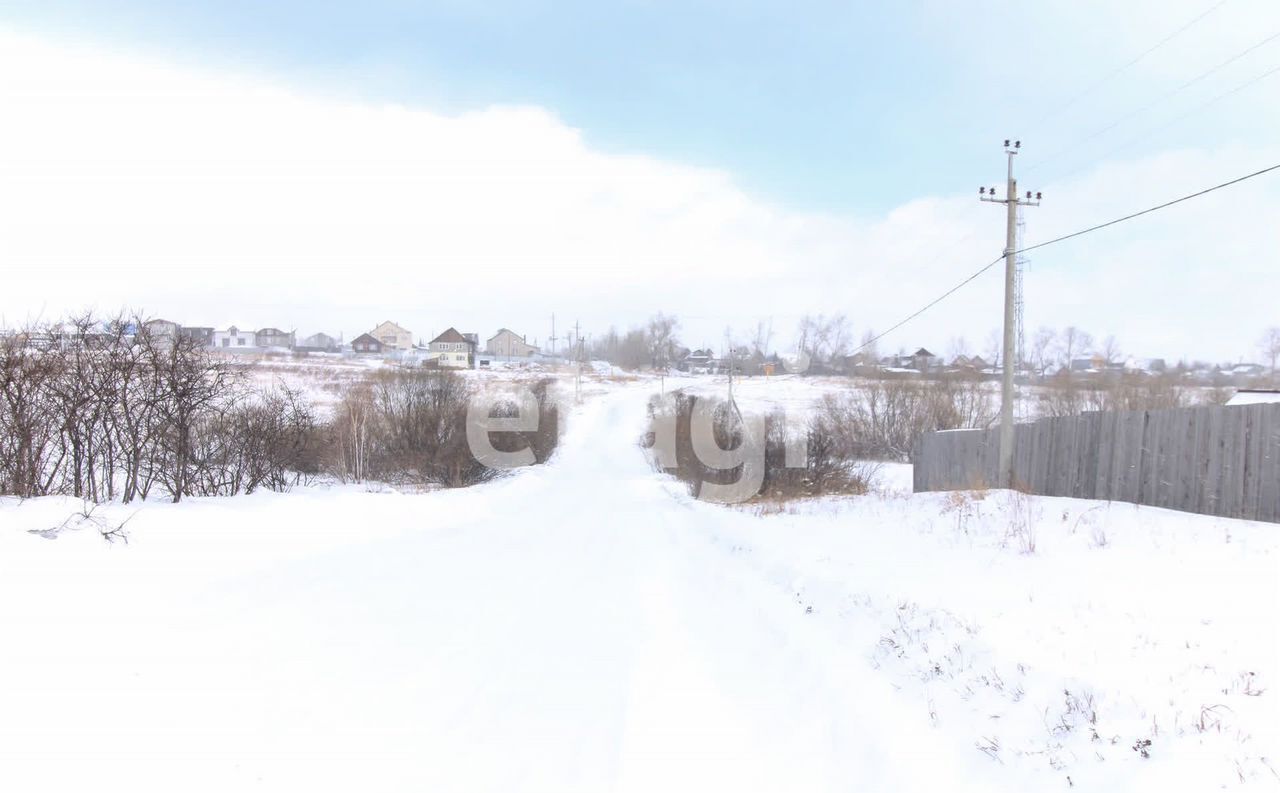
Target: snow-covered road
564 629
580 626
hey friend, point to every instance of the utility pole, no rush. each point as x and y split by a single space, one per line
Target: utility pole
577 380
731 365
553 335
1011 202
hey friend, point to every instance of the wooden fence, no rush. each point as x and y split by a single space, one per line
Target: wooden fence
1212 460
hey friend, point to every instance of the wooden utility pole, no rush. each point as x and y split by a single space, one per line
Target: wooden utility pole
1009 365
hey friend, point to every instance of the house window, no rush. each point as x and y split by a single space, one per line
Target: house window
226 342
240 342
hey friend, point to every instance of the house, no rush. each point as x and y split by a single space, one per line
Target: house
1088 363
452 350
921 361
861 363
924 361
509 344
235 340
1146 366
319 342
201 336
161 331
392 336
274 337
697 361
1248 370
366 344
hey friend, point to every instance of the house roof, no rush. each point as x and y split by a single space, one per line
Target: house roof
386 323
1255 396
365 338
452 336
923 352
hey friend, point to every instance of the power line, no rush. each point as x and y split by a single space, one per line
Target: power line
1054 241
1116 72
930 304
1171 122
1089 89
1148 211
1163 97
1106 78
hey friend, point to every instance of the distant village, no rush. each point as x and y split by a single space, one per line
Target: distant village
449 350
454 349
923 365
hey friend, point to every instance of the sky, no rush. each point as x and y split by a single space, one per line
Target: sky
326 166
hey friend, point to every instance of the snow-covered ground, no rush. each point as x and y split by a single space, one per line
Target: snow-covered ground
794 395
585 625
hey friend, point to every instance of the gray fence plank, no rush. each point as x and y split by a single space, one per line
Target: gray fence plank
1214 460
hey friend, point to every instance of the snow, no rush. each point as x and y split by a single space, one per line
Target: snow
1246 397
585 625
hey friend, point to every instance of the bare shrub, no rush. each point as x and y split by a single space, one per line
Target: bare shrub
104 409
1022 520
1071 395
409 426
883 420
349 440
826 467
274 439
88 516
108 409
30 457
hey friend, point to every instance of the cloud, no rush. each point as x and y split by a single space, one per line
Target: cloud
212 198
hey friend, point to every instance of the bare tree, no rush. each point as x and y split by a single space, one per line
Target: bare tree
1041 344
193 384
633 350
1110 350
762 337
1073 342
995 347
868 346
1270 346
823 338
660 334
29 457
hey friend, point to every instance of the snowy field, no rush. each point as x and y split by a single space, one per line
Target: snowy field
324 379
586 626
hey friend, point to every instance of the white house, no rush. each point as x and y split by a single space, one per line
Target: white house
161 331
451 350
233 339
